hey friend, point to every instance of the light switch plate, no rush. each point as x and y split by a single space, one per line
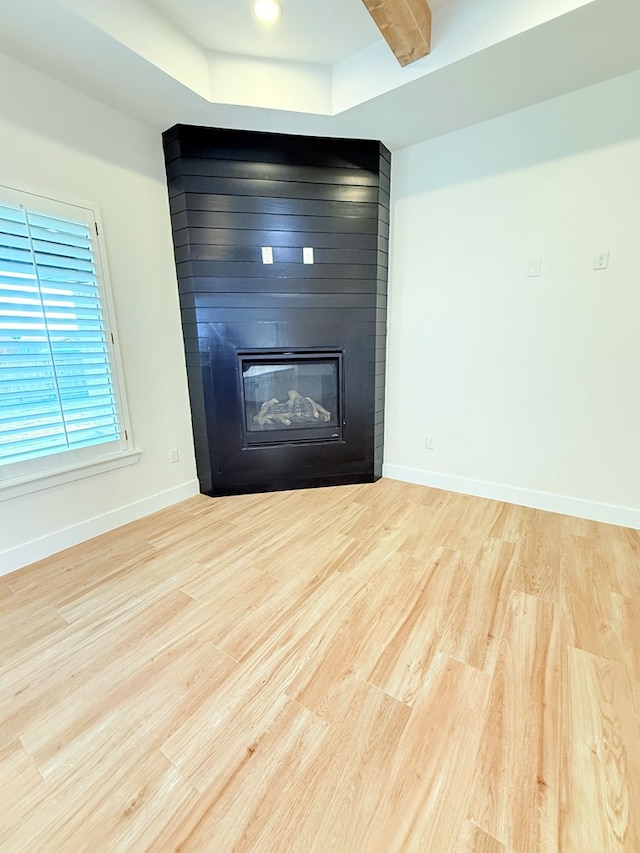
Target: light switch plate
534 267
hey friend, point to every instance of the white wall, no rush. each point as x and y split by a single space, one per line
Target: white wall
54 140
529 385
301 87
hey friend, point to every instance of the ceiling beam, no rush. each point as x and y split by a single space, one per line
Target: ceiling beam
405 26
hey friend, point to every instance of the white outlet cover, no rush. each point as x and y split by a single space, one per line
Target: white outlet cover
307 255
267 255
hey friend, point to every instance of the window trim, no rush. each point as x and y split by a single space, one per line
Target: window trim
55 469
26 485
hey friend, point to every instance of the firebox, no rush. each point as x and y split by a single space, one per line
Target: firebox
291 396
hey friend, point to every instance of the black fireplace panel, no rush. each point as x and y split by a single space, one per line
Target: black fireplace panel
285 361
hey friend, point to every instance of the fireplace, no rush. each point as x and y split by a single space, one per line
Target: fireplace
281 246
290 397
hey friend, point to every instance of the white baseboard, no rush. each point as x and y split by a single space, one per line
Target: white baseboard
38 549
607 513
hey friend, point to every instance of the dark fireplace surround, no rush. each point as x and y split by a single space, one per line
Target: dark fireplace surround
285 360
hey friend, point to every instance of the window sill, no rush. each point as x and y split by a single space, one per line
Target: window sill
25 485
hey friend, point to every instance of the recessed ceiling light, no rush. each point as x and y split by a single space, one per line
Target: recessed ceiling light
267 10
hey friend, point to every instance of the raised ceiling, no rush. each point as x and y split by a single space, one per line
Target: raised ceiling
323 32
325 70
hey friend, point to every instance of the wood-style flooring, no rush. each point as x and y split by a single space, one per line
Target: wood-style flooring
366 668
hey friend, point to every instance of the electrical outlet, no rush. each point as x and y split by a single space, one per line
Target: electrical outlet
431 442
267 254
601 260
173 455
307 255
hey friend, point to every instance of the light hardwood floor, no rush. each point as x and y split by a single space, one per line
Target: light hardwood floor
365 668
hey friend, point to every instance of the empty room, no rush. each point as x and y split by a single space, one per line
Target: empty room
319 426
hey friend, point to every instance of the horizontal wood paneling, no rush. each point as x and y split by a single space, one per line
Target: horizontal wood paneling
271 189
276 270
287 301
288 239
212 284
280 222
231 193
260 204
282 172
282 255
262 316
195 142
284 302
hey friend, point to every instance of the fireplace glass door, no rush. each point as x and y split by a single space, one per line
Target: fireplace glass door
291 397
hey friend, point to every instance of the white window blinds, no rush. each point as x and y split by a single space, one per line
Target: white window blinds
57 389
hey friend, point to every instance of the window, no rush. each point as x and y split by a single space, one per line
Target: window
61 404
